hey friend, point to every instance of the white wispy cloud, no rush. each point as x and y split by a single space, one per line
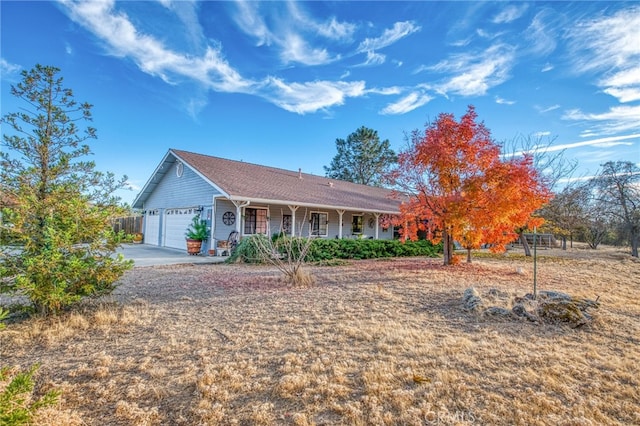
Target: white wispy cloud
390 36
369 46
330 29
600 142
392 90
608 41
503 101
473 74
132 186
308 97
541 37
210 69
296 49
288 33
625 84
543 110
547 67
510 13
187 13
624 94
121 39
483 33
610 44
252 23
575 179
461 43
618 119
421 68
406 104
625 78
9 71
373 58
336 30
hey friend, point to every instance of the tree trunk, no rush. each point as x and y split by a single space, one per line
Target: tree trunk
525 244
564 242
447 247
635 239
469 255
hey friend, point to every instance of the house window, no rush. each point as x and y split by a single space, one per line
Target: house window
255 221
356 224
319 224
286 223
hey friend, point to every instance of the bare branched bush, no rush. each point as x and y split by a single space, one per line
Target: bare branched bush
288 254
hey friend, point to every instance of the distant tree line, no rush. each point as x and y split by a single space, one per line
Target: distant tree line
602 210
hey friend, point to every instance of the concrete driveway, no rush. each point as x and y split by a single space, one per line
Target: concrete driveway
146 255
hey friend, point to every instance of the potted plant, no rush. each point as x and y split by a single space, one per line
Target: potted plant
138 237
196 233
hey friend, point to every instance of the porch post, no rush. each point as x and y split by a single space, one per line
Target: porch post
239 205
340 213
377 215
293 219
213 223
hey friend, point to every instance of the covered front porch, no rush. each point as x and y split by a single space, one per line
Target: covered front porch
248 217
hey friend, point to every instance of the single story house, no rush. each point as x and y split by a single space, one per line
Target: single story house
250 199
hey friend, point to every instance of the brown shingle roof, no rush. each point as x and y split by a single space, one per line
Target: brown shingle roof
244 181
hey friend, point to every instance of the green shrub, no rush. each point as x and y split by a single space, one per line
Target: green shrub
247 250
3 314
323 250
17 403
369 249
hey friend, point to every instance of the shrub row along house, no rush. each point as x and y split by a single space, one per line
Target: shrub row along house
253 199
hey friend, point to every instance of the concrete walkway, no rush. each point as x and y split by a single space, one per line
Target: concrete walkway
146 255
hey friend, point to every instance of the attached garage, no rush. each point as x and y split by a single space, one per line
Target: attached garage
152 227
176 222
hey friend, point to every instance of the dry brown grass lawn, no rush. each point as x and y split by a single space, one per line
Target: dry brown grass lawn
371 343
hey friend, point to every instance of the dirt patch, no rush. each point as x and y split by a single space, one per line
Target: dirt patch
372 343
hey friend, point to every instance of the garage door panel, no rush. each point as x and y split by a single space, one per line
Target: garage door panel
176 222
151 228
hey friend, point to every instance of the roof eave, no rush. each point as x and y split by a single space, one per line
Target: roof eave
142 196
311 205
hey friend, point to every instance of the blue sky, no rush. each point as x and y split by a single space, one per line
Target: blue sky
276 83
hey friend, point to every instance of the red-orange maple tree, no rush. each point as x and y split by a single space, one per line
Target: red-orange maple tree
461 190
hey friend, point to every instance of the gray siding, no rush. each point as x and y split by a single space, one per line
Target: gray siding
185 191
222 231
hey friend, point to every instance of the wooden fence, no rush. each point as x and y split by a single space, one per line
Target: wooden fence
130 225
543 241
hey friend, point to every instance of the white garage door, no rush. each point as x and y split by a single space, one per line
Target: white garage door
176 222
151 227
